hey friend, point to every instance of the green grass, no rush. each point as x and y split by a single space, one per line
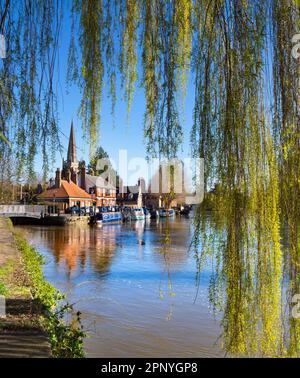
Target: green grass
12 280
3 289
33 263
66 336
6 271
22 277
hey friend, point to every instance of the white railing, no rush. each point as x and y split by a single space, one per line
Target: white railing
22 209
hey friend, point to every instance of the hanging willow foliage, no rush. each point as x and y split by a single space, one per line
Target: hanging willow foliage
286 72
245 125
128 66
92 70
183 22
164 43
166 30
232 134
27 97
151 61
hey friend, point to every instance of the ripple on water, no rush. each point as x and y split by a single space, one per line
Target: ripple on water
136 300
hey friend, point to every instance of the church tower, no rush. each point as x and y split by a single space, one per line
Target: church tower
71 157
70 167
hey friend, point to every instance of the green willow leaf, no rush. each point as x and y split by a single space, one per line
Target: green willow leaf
5 139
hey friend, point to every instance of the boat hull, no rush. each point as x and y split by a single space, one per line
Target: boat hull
105 218
137 217
166 213
111 217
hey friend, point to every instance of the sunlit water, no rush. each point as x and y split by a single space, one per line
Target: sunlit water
137 298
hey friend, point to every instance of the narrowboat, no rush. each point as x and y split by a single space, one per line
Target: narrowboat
164 213
126 213
106 217
137 214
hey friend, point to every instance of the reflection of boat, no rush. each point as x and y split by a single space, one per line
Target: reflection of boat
184 210
154 214
137 214
166 213
146 213
187 211
126 213
108 217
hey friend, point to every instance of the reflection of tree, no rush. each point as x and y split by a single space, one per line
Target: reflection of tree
165 251
73 246
103 247
173 241
65 244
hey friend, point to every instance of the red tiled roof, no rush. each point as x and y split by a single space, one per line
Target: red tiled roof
67 190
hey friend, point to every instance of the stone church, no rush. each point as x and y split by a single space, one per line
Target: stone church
73 186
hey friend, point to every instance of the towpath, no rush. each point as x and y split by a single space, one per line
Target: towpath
19 335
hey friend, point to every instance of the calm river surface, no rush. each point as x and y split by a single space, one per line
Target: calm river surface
137 298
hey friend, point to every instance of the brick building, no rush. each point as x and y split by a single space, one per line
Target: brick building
73 186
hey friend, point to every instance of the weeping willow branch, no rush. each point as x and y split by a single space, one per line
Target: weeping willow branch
91 18
28 108
3 17
245 121
129 48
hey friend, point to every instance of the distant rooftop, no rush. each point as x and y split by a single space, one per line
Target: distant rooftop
67 190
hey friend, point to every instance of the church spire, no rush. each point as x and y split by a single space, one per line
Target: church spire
71 158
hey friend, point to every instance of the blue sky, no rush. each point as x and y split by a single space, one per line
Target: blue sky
124 135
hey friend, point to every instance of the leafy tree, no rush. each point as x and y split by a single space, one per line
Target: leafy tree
93 166
99 154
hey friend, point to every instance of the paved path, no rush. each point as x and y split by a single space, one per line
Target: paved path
7 244
16 340
24 343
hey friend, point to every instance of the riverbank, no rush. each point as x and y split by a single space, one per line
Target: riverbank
132 281
51 220
35 324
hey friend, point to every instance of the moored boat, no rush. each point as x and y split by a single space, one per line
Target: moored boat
137 214
126 213
107 217
164 213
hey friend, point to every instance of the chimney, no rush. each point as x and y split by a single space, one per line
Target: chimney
57 178
82 176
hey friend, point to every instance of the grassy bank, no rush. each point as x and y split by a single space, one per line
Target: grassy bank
22 278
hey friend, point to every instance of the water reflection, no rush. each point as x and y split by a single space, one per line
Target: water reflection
132 282
142 282
69 246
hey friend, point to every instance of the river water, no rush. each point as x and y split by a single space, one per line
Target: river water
135 285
